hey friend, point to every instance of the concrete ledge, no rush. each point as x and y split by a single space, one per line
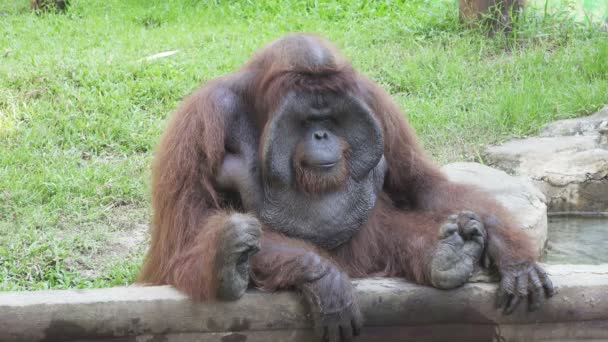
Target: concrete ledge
394 310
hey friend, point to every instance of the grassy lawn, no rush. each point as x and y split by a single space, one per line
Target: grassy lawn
80 110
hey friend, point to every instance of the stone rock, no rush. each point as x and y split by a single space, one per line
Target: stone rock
568 162
588 125
517 194
394 310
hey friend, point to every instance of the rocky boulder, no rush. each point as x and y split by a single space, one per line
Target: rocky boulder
517 194
568 162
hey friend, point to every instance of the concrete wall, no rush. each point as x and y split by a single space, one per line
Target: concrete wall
394 310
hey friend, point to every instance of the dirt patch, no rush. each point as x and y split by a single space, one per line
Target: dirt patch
121 233
129 226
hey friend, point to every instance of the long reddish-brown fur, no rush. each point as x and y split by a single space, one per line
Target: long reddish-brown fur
399 234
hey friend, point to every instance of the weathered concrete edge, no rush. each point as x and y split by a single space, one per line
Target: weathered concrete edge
128 311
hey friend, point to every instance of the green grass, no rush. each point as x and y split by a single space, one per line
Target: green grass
80 111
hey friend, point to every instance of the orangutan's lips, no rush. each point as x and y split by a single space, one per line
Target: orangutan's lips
326 165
